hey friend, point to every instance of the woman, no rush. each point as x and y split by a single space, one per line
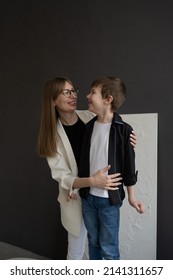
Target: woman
60 138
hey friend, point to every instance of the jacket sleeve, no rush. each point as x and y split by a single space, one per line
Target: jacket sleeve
130 174
61 172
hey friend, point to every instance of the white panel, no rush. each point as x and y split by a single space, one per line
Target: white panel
138 232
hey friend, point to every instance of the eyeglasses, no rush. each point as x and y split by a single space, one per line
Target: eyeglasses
67 92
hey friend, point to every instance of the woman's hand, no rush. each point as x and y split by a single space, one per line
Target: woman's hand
71 195
133 139
107 182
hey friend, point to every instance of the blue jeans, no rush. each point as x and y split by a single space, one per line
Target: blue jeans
102 223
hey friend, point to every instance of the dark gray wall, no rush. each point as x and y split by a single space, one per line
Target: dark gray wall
82 40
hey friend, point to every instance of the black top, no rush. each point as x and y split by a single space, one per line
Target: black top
75 135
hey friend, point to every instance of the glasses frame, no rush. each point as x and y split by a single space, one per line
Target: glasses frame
67 92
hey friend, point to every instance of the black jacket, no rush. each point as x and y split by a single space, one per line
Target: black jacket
121 157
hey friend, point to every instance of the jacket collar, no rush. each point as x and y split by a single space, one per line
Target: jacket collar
116 120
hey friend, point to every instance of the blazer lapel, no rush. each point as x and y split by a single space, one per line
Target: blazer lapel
68 148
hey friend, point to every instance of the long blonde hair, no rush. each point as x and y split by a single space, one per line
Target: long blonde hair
47 139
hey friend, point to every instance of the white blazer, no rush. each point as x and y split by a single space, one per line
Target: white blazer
64 170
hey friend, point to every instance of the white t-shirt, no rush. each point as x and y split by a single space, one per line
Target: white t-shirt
99 153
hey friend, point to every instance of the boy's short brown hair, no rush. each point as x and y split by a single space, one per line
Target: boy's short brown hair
112 86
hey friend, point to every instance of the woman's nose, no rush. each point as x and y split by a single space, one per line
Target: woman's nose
73 95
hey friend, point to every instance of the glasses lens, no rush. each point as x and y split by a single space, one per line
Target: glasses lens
68 92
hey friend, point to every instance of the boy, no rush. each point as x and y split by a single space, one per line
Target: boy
107 142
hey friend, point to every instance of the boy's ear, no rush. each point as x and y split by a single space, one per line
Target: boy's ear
109 99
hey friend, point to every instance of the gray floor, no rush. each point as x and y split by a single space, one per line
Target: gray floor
8 251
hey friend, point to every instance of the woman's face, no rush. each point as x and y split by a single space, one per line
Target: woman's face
66 101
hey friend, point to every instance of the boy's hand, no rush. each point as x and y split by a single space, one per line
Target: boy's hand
138 205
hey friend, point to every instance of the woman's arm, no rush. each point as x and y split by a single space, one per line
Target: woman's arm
99 180
63 175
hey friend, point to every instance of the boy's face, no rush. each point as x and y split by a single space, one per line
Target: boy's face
96 103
